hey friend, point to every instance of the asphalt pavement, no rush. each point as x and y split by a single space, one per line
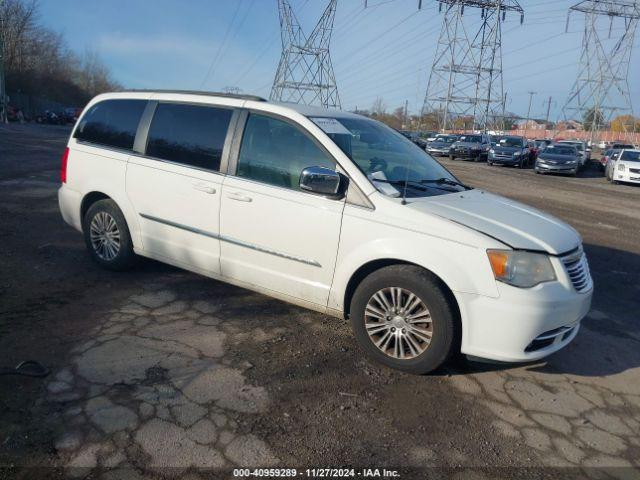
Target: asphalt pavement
159 371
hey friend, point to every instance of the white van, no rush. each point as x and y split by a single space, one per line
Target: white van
328 210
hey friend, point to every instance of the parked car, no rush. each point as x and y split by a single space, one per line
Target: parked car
621 146
471 147
423 139
50 117
540 144
606 157
608 169
581 147
558 158
300 203
510 150
71 114
441 145
625 167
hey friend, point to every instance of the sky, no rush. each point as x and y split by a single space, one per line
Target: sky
385 50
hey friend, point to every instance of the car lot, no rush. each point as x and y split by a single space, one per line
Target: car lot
163 369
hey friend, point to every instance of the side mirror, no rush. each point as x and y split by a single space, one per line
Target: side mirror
321 181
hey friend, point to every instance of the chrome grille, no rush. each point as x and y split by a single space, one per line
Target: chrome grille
578 270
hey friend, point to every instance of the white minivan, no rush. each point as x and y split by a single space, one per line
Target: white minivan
328 210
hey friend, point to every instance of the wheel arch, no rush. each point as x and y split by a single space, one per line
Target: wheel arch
368 268
89 199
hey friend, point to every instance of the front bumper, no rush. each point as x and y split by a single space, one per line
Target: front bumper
441 152
504 160
628 176
557 168
467 153
521 324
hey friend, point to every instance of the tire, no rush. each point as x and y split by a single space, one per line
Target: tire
103 222
489 163
452 158
442 319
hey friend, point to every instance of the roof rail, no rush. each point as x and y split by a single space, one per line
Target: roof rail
200 92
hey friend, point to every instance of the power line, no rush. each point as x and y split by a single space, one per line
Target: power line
224 40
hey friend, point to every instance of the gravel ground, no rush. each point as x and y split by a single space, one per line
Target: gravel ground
160 372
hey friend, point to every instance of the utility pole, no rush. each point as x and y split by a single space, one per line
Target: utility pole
601 89
305 74
406 111
3 85
526 129
546 118
466 74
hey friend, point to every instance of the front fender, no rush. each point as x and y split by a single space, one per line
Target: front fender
462 266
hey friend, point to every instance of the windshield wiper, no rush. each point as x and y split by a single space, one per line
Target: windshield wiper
420 185
446 181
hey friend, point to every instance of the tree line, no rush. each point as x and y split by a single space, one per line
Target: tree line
38 61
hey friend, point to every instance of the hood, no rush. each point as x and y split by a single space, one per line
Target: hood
467 144
436 144
557 158
511 222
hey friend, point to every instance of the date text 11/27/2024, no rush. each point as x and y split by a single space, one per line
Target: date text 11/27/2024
316 472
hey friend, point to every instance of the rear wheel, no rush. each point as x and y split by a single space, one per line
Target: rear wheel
402 318
107 236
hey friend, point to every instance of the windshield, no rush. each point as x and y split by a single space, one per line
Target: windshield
446 139
471 138
578 145
387 158
560 150
510 142
630 156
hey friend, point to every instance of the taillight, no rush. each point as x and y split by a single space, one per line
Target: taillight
63 166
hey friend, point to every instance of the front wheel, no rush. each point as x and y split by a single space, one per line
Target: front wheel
107 236
402 318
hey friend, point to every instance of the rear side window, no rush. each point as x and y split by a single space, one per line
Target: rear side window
112 123
192 135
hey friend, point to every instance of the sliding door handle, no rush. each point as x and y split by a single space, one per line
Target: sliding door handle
203 187
238 197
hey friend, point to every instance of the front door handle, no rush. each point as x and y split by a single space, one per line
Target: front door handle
204 188
239 197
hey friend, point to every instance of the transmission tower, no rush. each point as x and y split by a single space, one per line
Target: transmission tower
601 90
466 76
305 74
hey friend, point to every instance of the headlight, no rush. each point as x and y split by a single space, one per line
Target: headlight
521 269
492 151
621 167
516 154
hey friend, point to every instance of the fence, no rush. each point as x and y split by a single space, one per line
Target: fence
607 136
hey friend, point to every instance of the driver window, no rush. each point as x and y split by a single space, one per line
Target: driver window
275 152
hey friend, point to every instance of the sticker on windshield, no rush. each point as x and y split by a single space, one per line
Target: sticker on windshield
330 125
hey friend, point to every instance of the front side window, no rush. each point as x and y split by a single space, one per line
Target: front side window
275 152
192 135
395 165
112 123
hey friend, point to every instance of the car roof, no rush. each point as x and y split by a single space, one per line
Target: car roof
306 110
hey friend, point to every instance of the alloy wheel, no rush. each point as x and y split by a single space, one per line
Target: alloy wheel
398 323
105 236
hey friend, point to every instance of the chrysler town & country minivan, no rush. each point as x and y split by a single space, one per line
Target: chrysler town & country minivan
328 210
